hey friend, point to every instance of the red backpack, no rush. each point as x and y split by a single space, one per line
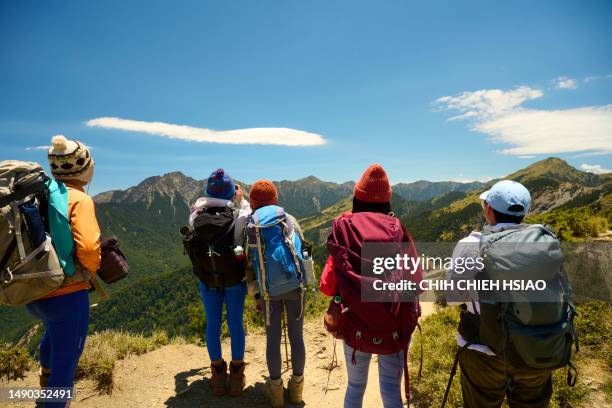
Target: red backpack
371 327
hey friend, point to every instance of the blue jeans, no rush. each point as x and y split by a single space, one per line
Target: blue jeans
65 319
390 368
213 300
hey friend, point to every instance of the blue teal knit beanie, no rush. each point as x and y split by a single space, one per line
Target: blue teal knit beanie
220 185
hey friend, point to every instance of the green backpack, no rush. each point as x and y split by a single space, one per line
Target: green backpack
529 329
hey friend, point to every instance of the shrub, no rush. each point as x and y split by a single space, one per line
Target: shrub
597 225
594 328
575 223
14 362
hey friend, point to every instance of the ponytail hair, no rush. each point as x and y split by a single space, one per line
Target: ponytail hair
364 206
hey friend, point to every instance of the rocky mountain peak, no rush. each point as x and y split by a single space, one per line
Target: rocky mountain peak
168 185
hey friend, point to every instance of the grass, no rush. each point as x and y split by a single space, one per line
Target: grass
439 330
607 390
438 336
104 349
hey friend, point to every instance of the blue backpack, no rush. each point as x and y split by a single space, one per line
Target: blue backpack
275 251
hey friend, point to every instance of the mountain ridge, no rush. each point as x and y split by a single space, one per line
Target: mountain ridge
191 188
552 182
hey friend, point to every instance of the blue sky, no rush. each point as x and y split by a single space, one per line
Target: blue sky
432 90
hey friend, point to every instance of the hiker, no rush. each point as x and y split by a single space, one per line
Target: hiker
504 354
382 328
275 255
218 220
65 311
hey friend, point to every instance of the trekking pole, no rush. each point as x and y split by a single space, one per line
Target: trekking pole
453 371
332 365
285 337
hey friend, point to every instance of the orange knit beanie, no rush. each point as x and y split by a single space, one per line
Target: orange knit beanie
373 186
263 193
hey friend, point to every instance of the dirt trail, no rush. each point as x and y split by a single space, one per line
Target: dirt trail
178 376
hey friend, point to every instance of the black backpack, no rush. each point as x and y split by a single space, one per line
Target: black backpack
210 247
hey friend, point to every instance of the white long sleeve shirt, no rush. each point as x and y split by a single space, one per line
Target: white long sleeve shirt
469 247
243 214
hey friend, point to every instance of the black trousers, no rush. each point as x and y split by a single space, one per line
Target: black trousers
484 383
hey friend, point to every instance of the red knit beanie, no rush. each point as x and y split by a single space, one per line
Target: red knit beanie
263 193
373 186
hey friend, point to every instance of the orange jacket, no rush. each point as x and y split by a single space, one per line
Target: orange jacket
86 233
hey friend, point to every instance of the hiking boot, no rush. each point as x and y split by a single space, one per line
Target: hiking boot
219 378
43 376
295 387
237 379
276 393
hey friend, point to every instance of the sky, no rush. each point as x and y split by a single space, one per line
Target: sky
282 89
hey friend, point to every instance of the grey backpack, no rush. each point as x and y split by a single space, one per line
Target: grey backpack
29 266
529 328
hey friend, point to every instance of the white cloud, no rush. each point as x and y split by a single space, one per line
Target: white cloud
597 77
487 102
266 136
500 115
38 148
527 156
594 168
464 180
555 131
589 154
563 82
46 148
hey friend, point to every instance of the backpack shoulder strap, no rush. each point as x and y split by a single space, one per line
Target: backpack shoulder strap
230 229
295 226
547 228
59 225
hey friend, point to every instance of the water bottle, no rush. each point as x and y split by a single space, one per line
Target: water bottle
239 253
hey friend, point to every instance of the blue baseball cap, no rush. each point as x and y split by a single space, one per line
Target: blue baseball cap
508 197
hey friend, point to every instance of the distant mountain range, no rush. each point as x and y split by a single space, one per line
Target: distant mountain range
146 219
303 197
423 190
554 186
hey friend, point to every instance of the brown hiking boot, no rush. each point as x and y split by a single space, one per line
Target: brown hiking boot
219 378
43 376
295 387
237 379
276 393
